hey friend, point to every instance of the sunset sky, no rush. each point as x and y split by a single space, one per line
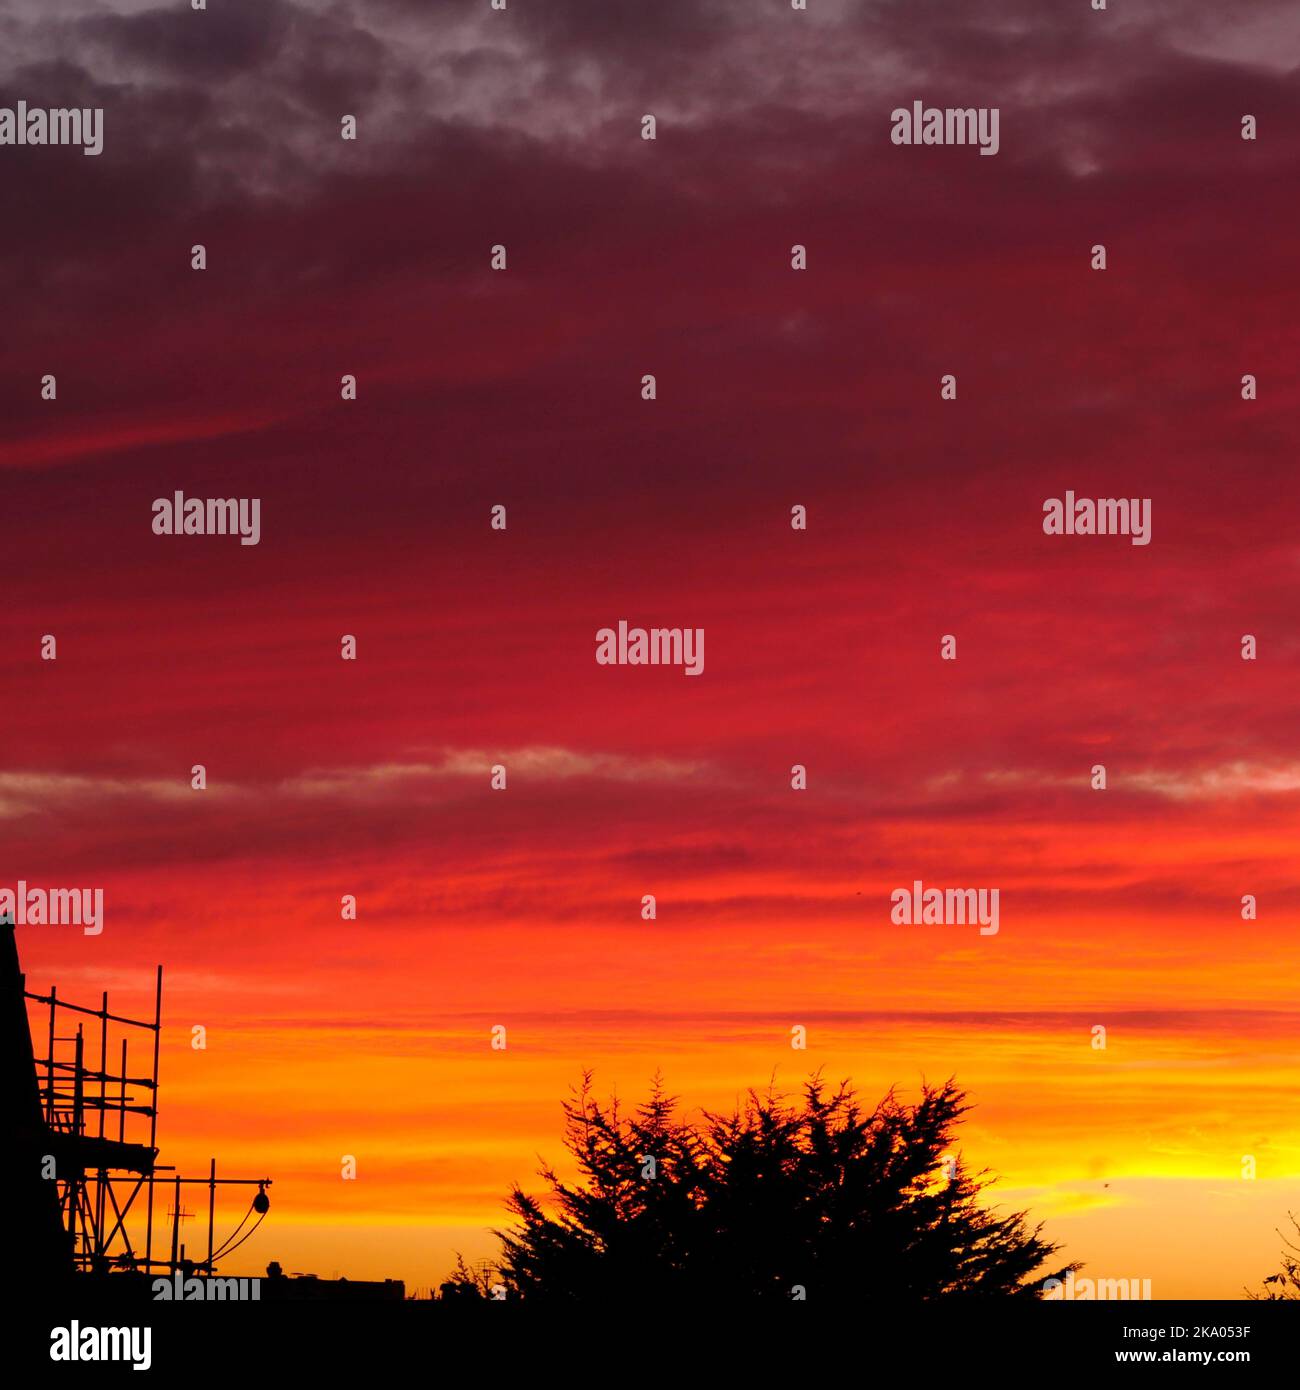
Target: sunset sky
475 647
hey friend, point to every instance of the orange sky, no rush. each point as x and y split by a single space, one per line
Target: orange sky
374 1041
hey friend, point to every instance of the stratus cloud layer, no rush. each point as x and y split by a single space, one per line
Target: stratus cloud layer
27 793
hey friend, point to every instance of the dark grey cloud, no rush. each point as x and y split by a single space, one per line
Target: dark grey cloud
232 38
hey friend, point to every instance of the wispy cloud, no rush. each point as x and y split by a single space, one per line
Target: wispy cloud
24 793
1228 780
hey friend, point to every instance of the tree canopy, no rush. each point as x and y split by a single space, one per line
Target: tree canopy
1284 1286
818 1198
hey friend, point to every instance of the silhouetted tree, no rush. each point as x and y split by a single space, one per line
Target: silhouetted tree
1286 1285
467 1282
822 1195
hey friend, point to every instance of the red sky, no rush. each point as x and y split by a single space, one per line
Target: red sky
476 647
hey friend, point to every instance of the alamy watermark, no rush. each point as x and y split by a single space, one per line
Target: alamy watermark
655 646
1101 516
194 1289
922 906
38 125
179 515
1090 1289
948 125
77 1343
54 907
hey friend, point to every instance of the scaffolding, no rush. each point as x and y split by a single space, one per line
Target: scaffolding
85 1126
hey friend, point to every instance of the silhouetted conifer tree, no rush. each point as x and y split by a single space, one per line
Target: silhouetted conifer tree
821 1195
1286 1285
